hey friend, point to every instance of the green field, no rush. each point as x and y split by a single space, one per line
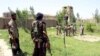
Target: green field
74 47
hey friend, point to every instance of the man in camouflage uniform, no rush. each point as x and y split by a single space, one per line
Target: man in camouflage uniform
72 29
39 36
58 28
13 34
81 30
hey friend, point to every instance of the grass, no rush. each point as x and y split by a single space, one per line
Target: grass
74 47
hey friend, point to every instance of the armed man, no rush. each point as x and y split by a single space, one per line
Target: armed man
72 30
58 29
14 35
81 29
65 25
39 36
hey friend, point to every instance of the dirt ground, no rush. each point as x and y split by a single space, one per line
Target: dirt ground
4 49
89 38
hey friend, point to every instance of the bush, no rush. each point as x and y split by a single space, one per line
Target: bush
89 27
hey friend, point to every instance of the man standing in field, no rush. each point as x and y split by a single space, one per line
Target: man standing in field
68 30
81 30
58 28
39 36
13 34
72 29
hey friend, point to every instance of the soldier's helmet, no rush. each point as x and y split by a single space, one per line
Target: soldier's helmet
39 16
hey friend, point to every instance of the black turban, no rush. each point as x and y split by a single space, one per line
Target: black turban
39 16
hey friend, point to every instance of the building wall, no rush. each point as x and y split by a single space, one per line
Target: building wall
4 22
50 20
69 13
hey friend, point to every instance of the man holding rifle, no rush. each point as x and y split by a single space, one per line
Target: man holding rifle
13 34
39 36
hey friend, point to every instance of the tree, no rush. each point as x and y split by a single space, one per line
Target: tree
22 17
32 11
25 15
89 27
19 17
59 17
74 19
78 16
96 16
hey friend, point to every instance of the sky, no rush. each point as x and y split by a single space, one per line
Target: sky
85 8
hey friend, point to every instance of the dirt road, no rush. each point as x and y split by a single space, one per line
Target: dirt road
89 38
4 49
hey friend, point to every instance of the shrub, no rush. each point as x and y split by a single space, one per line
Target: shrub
89 27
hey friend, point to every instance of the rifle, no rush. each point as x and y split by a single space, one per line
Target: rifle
10 10
48 46
12 39
13 42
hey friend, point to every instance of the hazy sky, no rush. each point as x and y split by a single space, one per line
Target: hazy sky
85 8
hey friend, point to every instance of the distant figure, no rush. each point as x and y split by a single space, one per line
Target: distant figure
67 30
58 28
39 36
72 29
14 35
81 30
75 29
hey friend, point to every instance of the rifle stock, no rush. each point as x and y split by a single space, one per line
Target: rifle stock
48 46
49 49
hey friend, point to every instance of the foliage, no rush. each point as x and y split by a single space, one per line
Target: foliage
74 47
78 16
74 19
32 11
97 16
22 17
60 15
25 14
89 27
